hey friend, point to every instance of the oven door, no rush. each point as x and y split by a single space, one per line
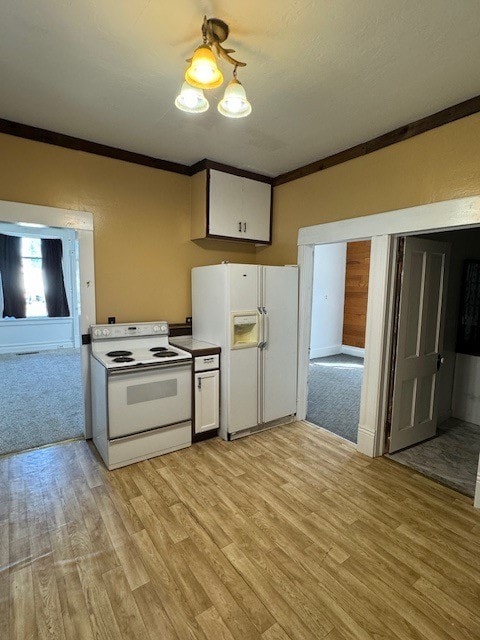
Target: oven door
144 399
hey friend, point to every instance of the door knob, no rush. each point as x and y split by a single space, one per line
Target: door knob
440 361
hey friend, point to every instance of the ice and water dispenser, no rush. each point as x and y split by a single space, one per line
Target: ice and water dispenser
245 332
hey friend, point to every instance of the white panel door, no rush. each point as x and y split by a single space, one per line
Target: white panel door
280 299
207 397
419 342
256 199
225 213
242 390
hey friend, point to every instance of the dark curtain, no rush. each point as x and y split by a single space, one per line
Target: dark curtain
55 296
14 302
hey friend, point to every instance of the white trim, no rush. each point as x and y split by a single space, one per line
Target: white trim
323 352
358 352
23 348
35 323
82 222
383 229
305 292
373 405
476 501
365 440
462 212
49 216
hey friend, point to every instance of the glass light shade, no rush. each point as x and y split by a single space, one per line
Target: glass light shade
203 72
191 100
234 103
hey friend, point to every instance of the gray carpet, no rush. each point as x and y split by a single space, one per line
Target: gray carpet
334 388
451 457
41 399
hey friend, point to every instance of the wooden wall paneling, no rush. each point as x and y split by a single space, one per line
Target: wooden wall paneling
356 293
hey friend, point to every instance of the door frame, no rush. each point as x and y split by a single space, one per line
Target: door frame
383 229
82 223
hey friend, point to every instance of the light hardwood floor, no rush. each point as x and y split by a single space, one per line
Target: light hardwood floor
286 534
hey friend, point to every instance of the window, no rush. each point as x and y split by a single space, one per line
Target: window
33 279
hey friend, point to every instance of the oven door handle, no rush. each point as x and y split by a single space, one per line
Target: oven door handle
149 367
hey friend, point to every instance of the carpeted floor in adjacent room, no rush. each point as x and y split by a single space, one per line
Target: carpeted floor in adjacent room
41 399
334 389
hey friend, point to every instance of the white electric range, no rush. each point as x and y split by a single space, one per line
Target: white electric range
141 392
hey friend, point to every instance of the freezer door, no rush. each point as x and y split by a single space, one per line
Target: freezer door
243 287
279 376
242 392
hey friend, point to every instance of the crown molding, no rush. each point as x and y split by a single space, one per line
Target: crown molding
79 144
457 111
226 168
450 114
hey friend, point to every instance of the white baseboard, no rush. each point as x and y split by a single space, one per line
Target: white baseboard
352 351
366 441
35 346
322 352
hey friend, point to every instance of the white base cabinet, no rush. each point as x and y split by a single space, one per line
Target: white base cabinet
207 401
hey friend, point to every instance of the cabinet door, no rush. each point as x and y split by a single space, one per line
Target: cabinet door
226 211
256 200
207 401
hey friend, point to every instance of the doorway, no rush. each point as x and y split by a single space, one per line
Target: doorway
383 229
41 394
80 224
436 429
337 338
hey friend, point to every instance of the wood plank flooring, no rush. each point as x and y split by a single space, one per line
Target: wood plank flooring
287 534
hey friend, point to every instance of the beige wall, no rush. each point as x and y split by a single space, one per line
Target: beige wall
143 254
438 165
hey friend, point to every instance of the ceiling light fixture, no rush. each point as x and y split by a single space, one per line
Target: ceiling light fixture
191 99
203 73
234 103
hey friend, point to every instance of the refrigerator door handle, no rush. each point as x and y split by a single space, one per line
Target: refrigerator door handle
261 327
266 327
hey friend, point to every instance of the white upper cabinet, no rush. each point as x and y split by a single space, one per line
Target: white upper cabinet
230 206
225 205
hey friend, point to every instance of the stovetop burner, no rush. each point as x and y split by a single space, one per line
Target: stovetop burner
165 354
117 354
123 358
154 349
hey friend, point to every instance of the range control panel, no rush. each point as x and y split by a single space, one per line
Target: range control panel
125 330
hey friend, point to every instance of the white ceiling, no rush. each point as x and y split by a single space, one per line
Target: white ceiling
322 75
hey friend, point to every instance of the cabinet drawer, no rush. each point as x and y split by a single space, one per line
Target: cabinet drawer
204 363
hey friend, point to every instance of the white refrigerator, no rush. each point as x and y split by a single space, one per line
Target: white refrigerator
251 312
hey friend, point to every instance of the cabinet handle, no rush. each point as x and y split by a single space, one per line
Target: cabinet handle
245 227
199 384
240 227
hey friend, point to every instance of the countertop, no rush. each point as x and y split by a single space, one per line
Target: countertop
195 347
